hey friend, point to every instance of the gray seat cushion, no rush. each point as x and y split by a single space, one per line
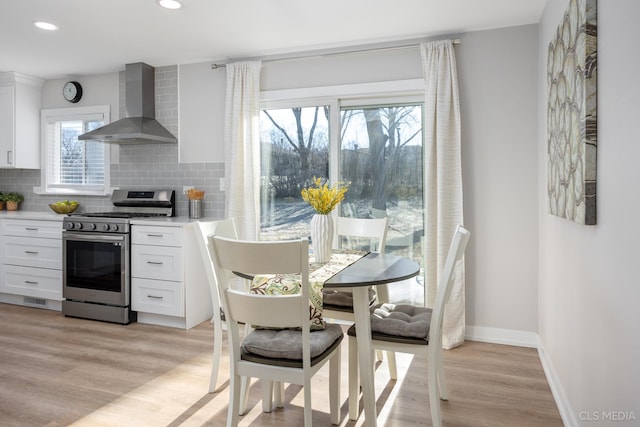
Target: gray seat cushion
287 343
334 297
401 320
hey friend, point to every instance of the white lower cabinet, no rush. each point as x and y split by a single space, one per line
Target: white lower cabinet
158 296
31 262
168 284
33 282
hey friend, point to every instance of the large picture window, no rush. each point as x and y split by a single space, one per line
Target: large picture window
375 145
71 166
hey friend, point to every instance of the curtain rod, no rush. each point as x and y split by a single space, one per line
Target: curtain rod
312 54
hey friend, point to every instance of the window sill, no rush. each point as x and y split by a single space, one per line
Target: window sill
71 192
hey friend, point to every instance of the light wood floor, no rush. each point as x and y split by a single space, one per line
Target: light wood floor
58 371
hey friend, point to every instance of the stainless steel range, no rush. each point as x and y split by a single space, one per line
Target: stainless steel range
96 260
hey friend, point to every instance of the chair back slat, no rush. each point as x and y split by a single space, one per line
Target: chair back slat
282 311
253 257
374 229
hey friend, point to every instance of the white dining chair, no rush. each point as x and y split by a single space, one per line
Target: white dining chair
355 233
413 329
286 350
226 228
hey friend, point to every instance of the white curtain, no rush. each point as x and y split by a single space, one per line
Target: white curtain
242 147
443 180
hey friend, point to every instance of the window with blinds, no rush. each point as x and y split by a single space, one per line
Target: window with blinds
69 165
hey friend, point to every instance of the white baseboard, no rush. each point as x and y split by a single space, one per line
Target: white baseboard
502 336
566 412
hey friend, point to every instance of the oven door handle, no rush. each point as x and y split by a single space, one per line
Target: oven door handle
93 237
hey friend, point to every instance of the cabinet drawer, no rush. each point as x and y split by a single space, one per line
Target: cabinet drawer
32 282
157 236
32 252
32 228
156 262
157 296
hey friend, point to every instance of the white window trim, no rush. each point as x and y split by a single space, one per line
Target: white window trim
396 88
68 114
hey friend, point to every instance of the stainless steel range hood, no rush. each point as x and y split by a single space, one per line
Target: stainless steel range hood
140 125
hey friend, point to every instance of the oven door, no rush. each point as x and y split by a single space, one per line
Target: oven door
96 268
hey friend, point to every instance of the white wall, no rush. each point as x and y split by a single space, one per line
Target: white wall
589 287
498 91
101 89
202 93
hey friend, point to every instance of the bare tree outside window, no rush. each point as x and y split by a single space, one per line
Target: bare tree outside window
295 148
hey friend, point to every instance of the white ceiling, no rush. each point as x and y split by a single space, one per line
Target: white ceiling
101 36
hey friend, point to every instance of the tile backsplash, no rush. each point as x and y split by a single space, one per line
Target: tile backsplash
140 166
131 175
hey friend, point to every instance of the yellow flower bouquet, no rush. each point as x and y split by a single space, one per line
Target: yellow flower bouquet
322 197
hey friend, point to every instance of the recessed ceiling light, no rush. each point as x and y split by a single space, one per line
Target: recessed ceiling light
45 25
170 4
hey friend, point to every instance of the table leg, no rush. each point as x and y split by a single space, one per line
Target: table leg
365 353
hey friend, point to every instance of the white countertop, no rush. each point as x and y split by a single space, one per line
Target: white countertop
175 221
22 214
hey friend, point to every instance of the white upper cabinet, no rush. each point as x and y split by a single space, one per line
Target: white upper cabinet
20 97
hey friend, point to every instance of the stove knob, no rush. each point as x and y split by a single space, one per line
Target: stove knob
77 225
68 225
105 227
114 227
91 226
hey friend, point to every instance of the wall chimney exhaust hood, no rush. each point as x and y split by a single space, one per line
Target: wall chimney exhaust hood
139 125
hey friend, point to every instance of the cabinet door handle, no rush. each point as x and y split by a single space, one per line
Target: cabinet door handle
30 282
10 157
155 262
31 228
155 235
31 252
155 297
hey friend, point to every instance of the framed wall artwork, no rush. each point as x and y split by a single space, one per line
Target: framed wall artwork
572 115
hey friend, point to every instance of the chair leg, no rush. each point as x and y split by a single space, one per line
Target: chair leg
217 352
267 395
334 387
234 404
278 394
244 394
442 382
391 361
354 380
434 397
308 415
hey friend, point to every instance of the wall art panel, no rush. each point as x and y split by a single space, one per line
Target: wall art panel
572 115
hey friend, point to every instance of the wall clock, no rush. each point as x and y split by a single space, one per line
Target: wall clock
72 91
